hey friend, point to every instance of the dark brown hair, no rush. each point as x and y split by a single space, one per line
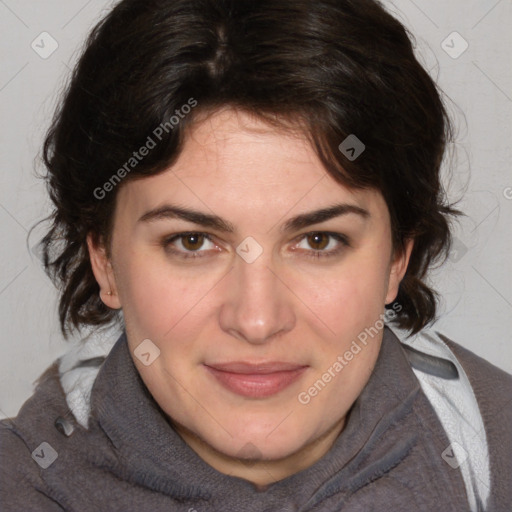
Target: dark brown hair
332 67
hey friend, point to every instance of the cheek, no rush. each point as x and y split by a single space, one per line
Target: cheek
350 298
160 300
150 297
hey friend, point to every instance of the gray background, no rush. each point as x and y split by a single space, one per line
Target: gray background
476 282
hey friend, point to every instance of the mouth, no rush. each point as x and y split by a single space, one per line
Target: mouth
256 380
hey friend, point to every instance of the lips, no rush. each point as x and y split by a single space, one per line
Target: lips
250 368
256 380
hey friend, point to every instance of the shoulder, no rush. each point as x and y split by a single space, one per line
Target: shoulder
493 392
29 443
491 384
21 485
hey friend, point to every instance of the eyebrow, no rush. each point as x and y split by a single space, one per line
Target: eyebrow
303 220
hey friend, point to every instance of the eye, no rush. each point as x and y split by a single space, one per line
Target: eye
319 244
324 244
188 245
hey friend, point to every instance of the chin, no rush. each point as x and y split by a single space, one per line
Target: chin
258 443
260 450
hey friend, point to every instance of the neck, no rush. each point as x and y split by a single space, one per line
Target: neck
262 472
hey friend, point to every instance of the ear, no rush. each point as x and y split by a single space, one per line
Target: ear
397 270
103 272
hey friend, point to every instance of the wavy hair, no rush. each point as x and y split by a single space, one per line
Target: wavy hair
332 67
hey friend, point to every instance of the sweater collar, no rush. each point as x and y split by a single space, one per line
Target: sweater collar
157 457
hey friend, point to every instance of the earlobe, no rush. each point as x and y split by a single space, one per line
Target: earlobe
397 271
103 272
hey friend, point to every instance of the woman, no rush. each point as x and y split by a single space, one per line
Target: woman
247 202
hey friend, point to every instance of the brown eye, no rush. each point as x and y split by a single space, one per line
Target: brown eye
190 244
318 241
323 244
193 241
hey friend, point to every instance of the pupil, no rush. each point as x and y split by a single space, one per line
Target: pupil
317 239
193 240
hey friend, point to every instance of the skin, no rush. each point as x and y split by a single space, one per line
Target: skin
287 305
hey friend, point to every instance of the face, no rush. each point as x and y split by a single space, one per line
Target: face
253 299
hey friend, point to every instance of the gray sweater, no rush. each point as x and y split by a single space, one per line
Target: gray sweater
387 458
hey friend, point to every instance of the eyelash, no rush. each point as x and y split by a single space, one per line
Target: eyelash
316 254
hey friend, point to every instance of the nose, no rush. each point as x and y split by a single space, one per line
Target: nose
258 305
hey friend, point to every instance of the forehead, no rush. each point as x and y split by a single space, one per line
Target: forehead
232 159
245 146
